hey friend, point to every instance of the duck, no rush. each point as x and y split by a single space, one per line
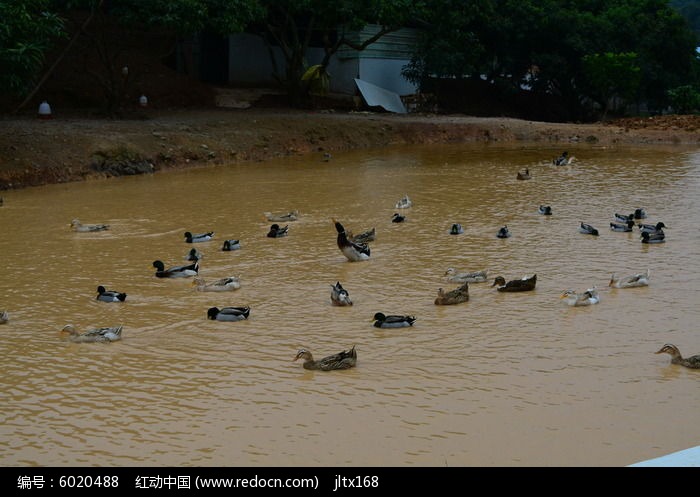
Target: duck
176 271
632 281
230 245
193 255
339 295
220 285
503 232
404 203
621 218
692 362
106 334
524 174
78 226
640 214
228 313
392 321
343 360
276 231
456 229
545 210
658 237
352 251
364 237
651 228
398 218
4 317
522 285
282 217
199 237
456 296
109 295
626 226
562 160
587 229
589 297
471 277
327 156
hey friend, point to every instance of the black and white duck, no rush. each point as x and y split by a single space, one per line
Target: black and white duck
193 255
622 226
651 228
343 360
352 251
398 218
404 203
562 160
545 210
232 313
524 284
176 271
456 229
574 299
277 231
658 237
339 295
109 295
587 229
503 232
230 245
392 321
199 237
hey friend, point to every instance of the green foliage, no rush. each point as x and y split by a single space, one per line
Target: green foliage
684 99
611 75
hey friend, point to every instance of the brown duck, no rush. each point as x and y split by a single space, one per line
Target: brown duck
692 362
456 296
342 360
522 285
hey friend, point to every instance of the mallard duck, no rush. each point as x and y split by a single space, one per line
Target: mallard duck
658 237
221 285
640 214
545 210
4 317
472 277
193 255
364 237
276 231
562 160
692 362
522 285
503 232
176 271
589 297
351 250
343 360
524 174
392 321
456 229
635 280
339 295
621 218
230 245
456 296
282 217
398 218
109 295
78 226
199 237
626 226
228 313
107 334
587 229
651 228
404 203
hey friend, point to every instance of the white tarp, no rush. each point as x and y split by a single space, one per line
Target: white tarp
375 95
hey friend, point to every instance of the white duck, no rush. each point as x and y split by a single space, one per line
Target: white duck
472 277
221 285
589 297
631 281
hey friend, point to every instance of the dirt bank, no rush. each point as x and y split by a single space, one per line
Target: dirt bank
62 149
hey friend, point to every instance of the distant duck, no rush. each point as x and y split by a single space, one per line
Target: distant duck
230 245
193 255
621 218
364 237
471 277
228 313
658 237
276 231
524 174
4 317
522 285
587 229
282 217
503 232
327 156
398 218
651 228
78 226
545 210
220 285
352 251
456 296
343 360
109 295
632 281
392 321
589 297
562 160
627 226
199 237
456 229
640 214
106 334
340 296
692 362
404 203
175 271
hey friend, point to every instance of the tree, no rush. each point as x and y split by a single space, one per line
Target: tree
611 76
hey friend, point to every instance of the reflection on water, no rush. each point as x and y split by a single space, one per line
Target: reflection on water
500 380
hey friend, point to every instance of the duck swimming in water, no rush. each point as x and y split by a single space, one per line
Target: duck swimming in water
524 174
522 285
198 238
466 277
109 295
343 360
651 228
587 229
392 321
404 203
562 160
398 218
692 362
589 297
228 313
106 334
352 251
624 227
175 271
276 231
230 245
220 285
632 281
658 237
282 217
456 296
545 210
78 226
456 229
339 295
503 232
